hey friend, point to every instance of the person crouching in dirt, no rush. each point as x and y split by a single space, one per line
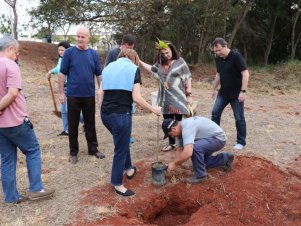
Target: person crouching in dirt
16 130
121 81
198 139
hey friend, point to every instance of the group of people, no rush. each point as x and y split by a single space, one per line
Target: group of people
119 85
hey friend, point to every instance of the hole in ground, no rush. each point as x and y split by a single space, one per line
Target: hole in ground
174 213
174 207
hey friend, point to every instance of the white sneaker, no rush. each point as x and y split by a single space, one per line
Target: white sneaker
238 146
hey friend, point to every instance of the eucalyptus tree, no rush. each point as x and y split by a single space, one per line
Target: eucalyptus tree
13 5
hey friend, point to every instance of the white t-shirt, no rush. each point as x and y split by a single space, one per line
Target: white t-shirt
196 128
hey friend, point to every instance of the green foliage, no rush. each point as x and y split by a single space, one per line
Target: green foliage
161 44
5 25
191 25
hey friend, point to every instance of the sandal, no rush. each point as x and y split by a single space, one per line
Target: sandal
168 147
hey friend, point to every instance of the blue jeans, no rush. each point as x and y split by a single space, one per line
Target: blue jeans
24 138
64 110
238 110
202 155
120 126
65 116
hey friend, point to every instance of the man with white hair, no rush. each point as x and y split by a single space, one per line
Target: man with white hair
16 130
81 64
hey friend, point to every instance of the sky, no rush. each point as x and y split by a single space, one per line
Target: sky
22 7
23 18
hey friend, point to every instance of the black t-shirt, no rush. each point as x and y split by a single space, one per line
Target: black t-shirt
119 101
230 69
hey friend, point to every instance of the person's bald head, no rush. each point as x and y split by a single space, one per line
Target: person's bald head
82 38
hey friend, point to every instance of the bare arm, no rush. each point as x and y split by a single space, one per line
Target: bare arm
61 83
100 94
182 155
145 66
244 86
8 98
140 100
215 84
98 79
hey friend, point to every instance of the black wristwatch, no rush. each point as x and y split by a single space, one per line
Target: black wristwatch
243 91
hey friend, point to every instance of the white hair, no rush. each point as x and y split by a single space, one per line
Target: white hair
6 42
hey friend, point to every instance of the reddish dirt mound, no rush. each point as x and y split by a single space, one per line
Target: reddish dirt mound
35 51
255 192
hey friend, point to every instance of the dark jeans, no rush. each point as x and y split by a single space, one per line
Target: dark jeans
87 106
177 117
120 126
202 157
238 110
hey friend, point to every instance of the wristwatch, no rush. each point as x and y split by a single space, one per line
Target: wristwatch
243 91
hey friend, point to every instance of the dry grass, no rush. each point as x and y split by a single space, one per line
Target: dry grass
274 126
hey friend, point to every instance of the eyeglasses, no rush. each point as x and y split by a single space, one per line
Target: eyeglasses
218 50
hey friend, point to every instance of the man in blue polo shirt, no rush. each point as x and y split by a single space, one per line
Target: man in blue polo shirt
81 64
233 77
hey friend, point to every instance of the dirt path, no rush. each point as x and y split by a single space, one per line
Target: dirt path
83 193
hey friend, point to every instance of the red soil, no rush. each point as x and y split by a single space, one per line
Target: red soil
255 192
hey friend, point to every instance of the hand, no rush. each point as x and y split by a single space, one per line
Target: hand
171 167
157 110
214 92
189 99
62 98
48 75
242 97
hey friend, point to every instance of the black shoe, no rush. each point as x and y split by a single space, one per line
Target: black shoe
132 176
128 192
63 134
99 155
195 180
229 164
73 159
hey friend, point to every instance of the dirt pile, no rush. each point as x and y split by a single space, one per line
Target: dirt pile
255 192
35 51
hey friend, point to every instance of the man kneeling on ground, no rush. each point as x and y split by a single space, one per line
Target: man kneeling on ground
198 139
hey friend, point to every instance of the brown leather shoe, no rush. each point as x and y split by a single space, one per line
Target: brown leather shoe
21 199
40 195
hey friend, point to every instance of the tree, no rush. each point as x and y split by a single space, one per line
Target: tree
12 4
52 15
294 40
243 9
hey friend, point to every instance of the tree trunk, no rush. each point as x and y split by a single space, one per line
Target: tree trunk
241 18
270 41
15 32
295 42
200 51
13 4
245 52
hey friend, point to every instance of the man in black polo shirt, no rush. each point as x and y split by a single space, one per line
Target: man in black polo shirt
233 77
